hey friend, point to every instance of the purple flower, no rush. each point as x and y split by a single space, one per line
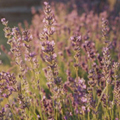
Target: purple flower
45 3
5 95
4 21
83 99
83 108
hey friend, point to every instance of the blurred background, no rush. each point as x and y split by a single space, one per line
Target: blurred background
19 11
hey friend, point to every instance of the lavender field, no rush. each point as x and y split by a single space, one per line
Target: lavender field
64 65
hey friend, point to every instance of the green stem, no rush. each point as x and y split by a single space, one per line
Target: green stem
88 115
76 73
56 114
101 97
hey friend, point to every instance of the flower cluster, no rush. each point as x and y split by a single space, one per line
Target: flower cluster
60 79
7 83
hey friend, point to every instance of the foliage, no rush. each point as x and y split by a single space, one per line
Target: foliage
65 66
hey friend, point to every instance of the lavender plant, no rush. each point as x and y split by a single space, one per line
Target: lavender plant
67 68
